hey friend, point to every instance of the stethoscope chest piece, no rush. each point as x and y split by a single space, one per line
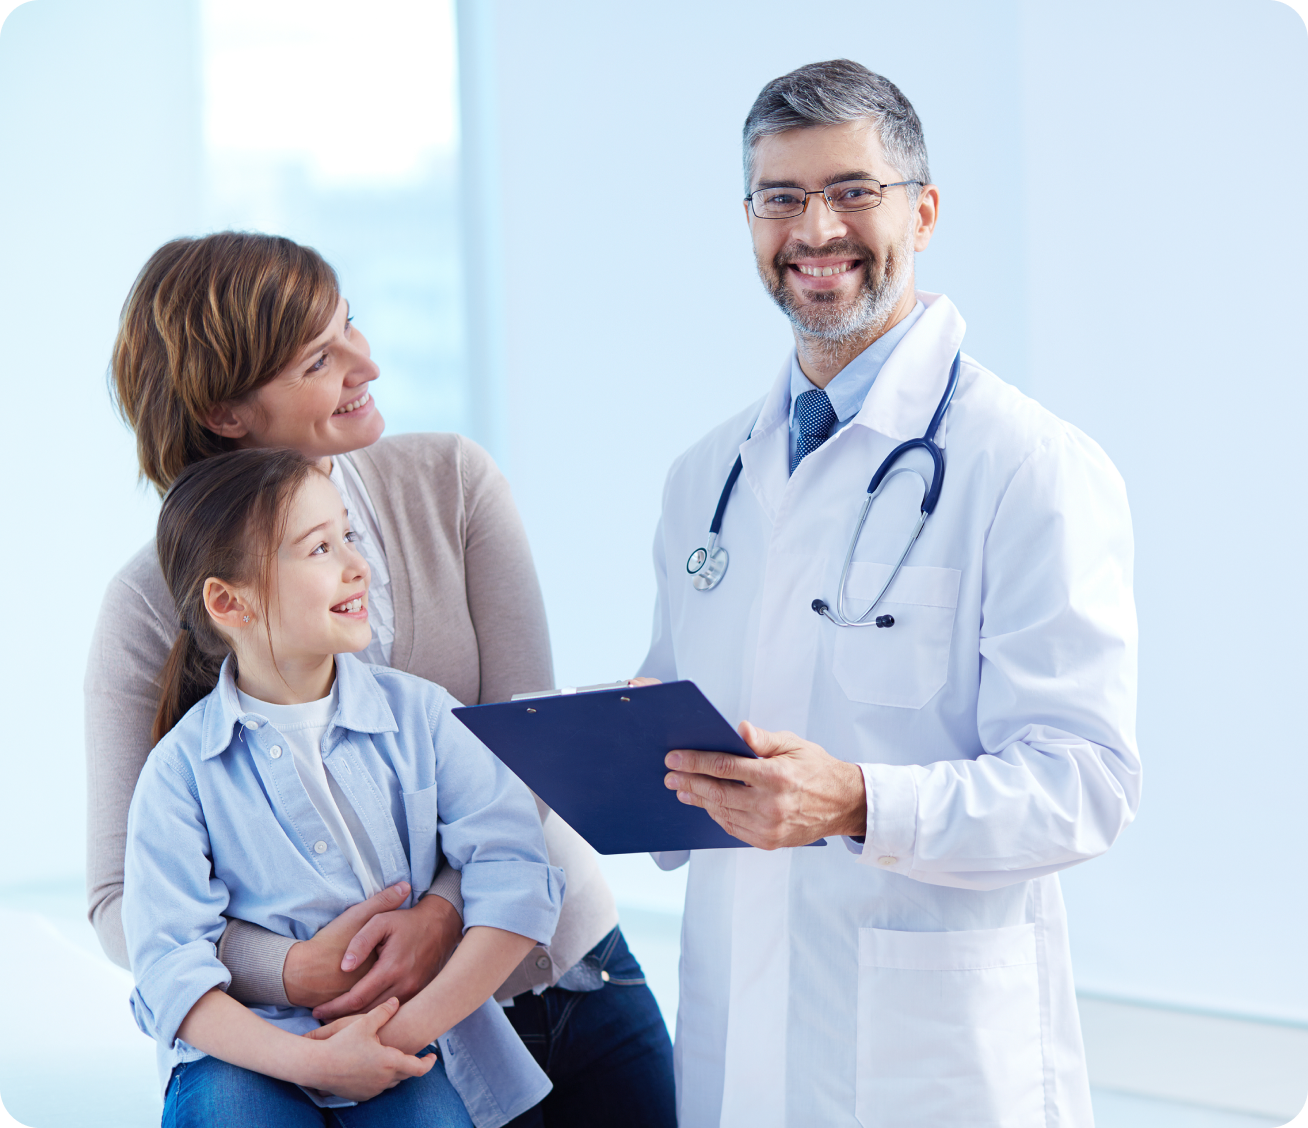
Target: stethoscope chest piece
707 566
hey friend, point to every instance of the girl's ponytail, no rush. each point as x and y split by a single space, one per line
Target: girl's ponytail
223 518
188 675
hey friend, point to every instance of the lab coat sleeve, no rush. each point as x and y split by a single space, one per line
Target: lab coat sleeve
661 662
1059 776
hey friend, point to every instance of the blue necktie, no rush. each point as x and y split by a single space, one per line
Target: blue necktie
816 419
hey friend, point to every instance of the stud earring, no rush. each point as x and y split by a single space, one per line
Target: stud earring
245 618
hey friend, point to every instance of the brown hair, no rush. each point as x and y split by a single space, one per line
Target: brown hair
224 516
208 321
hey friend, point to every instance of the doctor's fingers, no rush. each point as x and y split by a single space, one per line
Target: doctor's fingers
720 765
748 826
710 792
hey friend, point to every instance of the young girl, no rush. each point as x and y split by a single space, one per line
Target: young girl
290 781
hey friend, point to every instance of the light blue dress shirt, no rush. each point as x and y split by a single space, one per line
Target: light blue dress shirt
850 387
221 825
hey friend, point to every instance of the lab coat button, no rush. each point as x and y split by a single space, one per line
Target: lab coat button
542 962
887 860
275 751
320 847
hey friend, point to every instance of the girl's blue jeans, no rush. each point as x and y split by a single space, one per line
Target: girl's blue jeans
212 1094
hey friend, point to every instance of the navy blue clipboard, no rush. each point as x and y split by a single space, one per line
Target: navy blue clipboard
597 759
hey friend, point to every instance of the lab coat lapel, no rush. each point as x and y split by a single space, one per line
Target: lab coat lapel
909 386
765 455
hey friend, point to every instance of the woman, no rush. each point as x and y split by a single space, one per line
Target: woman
238 340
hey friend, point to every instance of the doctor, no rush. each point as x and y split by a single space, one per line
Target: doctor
915 971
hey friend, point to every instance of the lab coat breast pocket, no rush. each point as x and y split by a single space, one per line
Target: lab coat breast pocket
420 813
905 665
949 1029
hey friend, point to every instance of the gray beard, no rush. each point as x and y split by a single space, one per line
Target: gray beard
826 327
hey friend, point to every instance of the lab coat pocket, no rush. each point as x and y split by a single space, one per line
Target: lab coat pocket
421 814
949 1029
906 664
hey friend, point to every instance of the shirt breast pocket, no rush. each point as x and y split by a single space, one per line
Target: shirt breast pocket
903 666
420 812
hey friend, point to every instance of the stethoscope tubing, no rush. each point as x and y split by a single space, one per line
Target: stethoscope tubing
706 566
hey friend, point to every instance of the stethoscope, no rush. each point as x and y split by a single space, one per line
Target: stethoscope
708 565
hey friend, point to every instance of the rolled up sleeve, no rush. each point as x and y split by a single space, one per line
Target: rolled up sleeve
491 832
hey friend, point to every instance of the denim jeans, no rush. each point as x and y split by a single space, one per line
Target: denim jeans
607 1051
212 1094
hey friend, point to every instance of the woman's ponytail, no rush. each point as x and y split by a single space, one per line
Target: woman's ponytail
223 518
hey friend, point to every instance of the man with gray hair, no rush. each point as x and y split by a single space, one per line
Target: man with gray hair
937 676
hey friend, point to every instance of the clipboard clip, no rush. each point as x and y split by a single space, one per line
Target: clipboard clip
568 691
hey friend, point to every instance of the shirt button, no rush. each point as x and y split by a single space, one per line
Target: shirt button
252 724
320 847
275 751
887 860
542 962
604 975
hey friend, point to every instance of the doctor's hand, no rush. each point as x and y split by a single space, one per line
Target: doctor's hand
794 794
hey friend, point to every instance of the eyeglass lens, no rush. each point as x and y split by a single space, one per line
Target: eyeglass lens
846 196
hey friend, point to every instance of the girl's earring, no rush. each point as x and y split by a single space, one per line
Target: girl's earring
245 618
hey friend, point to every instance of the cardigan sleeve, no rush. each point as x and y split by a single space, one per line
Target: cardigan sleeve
504 597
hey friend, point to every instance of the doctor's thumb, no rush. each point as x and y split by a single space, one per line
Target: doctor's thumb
761 742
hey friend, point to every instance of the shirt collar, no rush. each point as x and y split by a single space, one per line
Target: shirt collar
849 388
363 707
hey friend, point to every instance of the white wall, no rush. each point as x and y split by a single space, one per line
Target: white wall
1122 226
99 145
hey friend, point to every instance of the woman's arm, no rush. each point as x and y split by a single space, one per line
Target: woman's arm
351 1063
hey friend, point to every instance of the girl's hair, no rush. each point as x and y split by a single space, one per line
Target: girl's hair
223 517
208 321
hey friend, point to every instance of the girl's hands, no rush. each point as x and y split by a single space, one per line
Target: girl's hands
352 1062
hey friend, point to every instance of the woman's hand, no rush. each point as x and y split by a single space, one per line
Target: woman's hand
409 946
312 972
643 681
352 1062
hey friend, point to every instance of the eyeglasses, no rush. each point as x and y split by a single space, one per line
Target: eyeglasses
843 196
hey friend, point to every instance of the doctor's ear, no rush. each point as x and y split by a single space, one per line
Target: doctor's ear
926 213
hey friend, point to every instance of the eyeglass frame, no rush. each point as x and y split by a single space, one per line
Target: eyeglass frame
881 189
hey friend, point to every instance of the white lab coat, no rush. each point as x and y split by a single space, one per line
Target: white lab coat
925 980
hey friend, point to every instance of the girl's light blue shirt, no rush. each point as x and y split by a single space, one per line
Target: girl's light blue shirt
221 826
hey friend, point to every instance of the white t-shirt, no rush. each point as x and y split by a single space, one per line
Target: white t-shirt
303 727
363 520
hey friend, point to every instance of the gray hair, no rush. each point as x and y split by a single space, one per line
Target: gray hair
833 93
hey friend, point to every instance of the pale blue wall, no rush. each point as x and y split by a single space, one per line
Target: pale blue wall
1167 156
100 151
1122 226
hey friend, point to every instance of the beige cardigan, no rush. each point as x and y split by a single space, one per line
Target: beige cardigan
468 616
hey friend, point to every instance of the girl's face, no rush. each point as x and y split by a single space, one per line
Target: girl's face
319 603
321 404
